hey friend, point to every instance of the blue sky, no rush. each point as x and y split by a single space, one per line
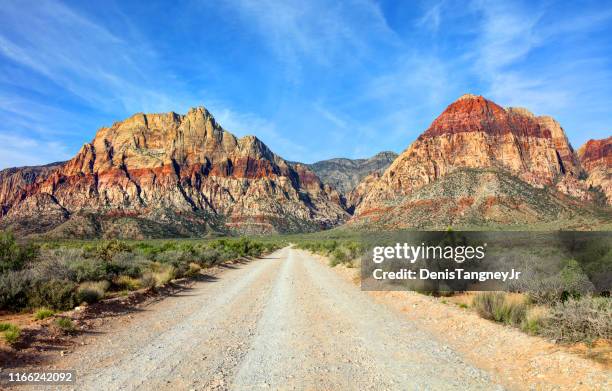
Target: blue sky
312 79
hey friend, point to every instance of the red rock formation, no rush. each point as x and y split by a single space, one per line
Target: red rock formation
475 133
596 158
180 163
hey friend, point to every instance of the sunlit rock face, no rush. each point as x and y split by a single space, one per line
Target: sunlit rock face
596 158
158 166
476 133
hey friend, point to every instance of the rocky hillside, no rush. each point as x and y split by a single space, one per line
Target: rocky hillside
168 175
523 169
596 158
346 174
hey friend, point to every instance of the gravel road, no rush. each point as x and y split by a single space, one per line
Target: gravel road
283 322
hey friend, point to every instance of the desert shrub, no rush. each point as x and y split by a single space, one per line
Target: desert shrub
500 307
55 264
88 269
584 319
147 280
14 288
534 318
208 256
575 281
571 281
13 255
324 247
92 291
354 249
486 303
338 256
194 269
43 313
163 274
127 283
105 251
10 332
129 264
64 324
178 259
56 294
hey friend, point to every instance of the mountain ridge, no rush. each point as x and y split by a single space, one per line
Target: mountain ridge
476 133
169 174
187 164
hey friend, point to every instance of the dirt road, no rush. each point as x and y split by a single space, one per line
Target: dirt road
282 322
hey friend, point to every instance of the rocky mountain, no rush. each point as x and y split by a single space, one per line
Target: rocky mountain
479 164
355 197
596 158
168 175
346 174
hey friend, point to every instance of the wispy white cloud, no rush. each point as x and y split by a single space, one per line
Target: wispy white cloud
432 18
16 150
333 118
316 31
507 55
83 57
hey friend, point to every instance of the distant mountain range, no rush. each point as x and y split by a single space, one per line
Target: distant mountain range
163 175
345 174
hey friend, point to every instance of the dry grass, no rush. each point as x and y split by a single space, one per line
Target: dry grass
92 291
194 269
501 307
127 283
164 275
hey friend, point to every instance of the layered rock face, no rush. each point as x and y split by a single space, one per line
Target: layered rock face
355 197
475 133
161 166
596 158
17 183
346 174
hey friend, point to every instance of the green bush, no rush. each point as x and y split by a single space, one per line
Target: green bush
584 319
338 256
105 251
13 255
54 264
178 259
208 257
571 281
130 264
11 332
60 276
14 288
56 294
88 270
43 313
64 324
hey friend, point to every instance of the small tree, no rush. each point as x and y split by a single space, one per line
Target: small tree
12 254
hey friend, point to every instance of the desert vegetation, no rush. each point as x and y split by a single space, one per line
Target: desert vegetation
565 307
345 252
54 276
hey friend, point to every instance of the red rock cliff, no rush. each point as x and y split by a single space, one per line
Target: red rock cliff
184 163
474 132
